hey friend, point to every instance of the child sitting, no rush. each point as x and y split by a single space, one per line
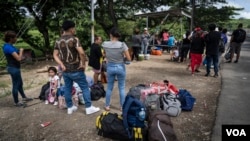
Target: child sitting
174 56
51 96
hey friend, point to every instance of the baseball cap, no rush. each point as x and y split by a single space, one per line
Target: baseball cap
145 28
197 29
68 24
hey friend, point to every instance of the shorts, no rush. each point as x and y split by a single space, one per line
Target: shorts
236 47
97 71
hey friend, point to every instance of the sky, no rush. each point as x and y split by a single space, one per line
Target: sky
236 3
241 4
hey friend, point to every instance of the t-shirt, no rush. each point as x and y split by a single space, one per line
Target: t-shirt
66 45
53 80
8 49
136 40
212 42
165 36
145 38
114 51
236 33
171 41
176 53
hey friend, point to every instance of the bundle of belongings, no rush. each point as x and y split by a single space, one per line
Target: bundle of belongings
146 113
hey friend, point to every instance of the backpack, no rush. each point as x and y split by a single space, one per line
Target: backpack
97 91
240 36
133 114
227 55
186 99
43 90
160 127
171 104
152 102
221 45
110 125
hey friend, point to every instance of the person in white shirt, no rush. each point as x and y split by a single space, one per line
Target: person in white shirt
175 54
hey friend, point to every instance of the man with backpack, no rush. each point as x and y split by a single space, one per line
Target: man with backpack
238 37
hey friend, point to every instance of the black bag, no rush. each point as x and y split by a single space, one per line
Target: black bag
110 125
44 88
227 55
221 45
97 91
240 36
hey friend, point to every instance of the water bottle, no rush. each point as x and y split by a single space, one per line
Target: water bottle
142 114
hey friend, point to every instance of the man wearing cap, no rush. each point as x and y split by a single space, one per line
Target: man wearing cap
69 54
145 41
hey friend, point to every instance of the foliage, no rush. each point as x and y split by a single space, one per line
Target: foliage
46 17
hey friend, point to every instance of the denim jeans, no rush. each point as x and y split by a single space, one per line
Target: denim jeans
80 79
144 48
17 83
118 71
214 59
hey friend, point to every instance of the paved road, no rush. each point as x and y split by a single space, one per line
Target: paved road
234 100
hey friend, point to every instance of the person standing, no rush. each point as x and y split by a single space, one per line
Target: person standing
196 51
238 37
72 62
185 47
145 41
212 49
224 39
96 58
115 52
136 44
14 57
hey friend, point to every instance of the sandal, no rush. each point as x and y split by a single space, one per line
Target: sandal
107 108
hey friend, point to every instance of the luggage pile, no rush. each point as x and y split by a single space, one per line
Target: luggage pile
146 113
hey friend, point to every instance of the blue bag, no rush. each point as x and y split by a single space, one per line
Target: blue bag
131 114
186 99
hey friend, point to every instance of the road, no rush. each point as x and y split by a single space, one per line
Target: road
233 102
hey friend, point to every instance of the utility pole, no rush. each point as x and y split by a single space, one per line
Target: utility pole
92 20
192 14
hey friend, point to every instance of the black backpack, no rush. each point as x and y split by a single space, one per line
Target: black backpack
97 91
110 125
240 36
43 90
221 45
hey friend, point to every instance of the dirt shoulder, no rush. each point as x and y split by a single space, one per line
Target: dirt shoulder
24 123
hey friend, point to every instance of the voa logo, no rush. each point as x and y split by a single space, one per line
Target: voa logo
236 132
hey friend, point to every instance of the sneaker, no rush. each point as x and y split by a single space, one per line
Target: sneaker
19 104
236 61
46 102
229 61
55 103
72 109
216 75
92 109
196 70
207 74
27 99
